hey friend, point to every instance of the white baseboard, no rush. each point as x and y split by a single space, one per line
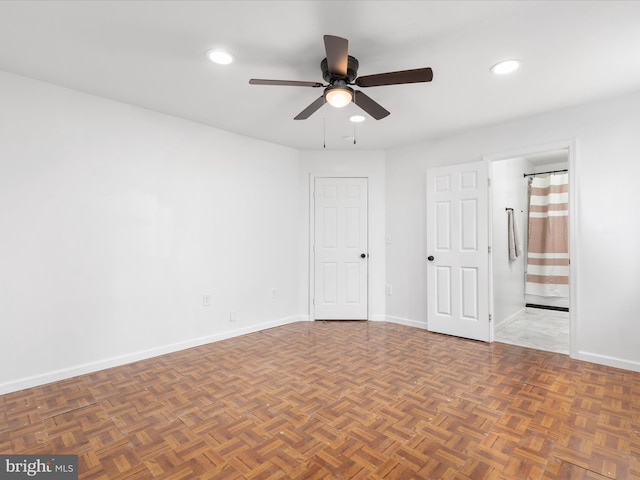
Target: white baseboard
378 318
406 321
609 361
63 374
91 367
500 325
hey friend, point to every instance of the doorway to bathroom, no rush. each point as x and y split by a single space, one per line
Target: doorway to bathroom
530 266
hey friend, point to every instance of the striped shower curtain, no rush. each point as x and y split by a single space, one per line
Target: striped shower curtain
548 240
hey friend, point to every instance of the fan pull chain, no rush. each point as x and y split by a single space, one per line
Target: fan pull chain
324 132
354 133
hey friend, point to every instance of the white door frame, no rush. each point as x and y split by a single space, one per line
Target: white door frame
571 146
312 233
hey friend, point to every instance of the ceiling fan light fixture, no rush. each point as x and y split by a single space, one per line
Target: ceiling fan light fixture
339 70
505 67
356 118
220 57
339 97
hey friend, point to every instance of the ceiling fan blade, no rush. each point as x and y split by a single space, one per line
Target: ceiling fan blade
337 54
307 112
416 75
288 83
370 106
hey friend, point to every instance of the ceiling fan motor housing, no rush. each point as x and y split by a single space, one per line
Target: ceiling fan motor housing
352 71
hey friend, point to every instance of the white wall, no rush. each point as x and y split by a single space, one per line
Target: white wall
509 190
346 163
605 178
116 221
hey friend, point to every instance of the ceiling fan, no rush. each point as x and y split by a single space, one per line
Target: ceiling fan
340 70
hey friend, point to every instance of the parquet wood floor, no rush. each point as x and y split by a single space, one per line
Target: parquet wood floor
316 400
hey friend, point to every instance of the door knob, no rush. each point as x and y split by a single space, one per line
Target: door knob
363 255
430 258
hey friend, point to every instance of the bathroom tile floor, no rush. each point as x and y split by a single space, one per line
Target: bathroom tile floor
537 328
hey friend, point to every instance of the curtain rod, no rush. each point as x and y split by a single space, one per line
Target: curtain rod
542 173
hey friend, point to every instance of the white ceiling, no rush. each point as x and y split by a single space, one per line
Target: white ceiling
152 54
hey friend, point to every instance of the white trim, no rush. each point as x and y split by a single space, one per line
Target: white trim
312 236
503 324
609 361
406 321
491 305
65 373
573 249
525 151
572 146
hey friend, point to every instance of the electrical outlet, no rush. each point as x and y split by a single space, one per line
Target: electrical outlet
232 316
206 300
388 289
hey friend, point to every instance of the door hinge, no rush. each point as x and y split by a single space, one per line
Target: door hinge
490 317
489 248
488 182
313 301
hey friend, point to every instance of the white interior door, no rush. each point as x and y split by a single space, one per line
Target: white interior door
458 251
340 249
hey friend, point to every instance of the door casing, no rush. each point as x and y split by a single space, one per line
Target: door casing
573 227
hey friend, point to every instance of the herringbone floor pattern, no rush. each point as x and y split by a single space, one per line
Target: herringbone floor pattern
317 400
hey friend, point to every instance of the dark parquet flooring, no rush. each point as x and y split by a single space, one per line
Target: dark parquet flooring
322 400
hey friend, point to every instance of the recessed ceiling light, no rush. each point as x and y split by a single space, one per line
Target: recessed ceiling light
220 57
356 118
506 66
349 138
